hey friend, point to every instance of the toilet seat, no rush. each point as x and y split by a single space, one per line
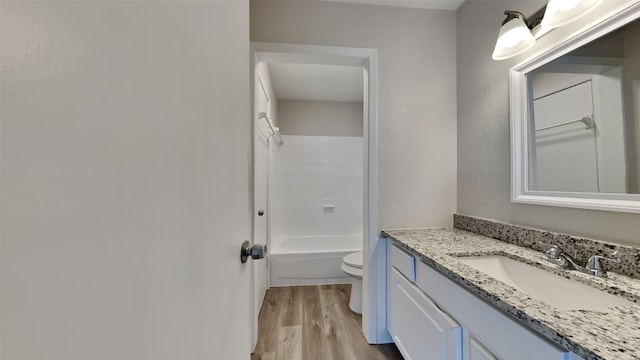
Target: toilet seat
353 260
352 264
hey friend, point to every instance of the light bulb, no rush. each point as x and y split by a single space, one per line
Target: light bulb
513 39
562 12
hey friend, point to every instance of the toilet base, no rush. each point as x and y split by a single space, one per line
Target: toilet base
355 301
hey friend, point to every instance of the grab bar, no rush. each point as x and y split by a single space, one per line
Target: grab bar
587 120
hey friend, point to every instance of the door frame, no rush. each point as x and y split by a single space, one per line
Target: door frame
258 85
374 324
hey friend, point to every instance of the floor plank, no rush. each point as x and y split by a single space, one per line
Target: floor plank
293 308
290 343
269 322
314 342
268 356
314 322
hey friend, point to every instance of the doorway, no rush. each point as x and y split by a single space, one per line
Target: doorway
374 298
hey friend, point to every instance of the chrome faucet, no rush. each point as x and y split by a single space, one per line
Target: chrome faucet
594 265
559 257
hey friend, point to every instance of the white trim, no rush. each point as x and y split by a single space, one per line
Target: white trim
520 110
311 54
374 292
374 319
254 97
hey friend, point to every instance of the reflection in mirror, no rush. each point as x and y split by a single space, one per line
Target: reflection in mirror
584 123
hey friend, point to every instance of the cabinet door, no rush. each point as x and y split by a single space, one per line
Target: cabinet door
477 351
419 328
506 338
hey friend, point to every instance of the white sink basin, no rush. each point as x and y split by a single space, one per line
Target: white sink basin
554 290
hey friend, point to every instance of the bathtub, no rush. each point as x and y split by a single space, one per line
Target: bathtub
311 260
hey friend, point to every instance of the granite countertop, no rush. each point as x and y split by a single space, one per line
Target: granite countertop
611 333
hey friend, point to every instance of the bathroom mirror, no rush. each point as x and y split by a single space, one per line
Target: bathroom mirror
575 120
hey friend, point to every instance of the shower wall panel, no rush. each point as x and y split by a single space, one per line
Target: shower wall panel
316 186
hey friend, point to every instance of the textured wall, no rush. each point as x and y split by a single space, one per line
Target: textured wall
416 94
483 130
320 118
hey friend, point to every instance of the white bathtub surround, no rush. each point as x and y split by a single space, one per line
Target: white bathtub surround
315 244
316 208
316 186
352 265
311 260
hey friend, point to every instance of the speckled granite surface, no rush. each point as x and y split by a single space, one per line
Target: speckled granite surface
613 333
580 248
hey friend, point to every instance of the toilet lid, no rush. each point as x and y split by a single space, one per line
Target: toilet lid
353 260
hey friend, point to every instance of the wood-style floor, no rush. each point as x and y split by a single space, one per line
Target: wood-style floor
314 322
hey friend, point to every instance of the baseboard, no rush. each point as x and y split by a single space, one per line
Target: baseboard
309 282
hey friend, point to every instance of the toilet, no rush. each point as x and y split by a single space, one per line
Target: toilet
352 265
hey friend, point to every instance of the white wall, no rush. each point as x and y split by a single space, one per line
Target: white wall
483 129
306 174
416 98
320 118
113 176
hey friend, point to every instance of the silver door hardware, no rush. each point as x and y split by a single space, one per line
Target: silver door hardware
260 212
257 251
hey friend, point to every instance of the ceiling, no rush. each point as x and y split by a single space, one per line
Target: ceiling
316 82
420 4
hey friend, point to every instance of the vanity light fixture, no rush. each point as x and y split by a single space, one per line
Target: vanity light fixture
517 34
514 38
562 12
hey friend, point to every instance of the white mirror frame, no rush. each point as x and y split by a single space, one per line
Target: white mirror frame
519 114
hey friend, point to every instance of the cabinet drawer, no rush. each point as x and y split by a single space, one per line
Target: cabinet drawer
405 263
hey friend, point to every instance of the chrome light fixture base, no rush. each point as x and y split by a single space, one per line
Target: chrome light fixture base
517 34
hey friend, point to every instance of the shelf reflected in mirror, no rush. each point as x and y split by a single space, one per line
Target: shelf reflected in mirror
575 118
585 116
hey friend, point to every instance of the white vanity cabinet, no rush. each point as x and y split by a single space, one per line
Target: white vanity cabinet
435 318
419 328
477 351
